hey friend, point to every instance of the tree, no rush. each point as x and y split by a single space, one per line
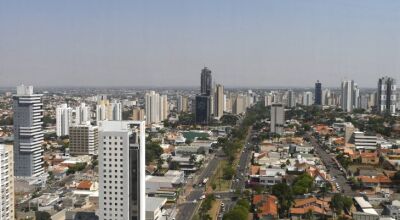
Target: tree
302 184
153 151
39 215
340 202
228 172
285 197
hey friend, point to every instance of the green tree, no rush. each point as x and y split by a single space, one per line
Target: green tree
285 197
39 215
340 202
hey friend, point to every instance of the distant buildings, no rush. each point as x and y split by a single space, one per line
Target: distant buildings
28 132
203 100
386 96
7 210
83 139
277 118
349 95
156 107
318 93
138 114
291 99
219 101
307 98
63 119
82 114
182 103
206 82
108 111
122 170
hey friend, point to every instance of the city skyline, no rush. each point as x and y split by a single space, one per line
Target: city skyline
272 43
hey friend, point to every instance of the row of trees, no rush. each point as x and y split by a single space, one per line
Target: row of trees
239 212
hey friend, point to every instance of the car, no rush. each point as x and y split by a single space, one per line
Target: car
195 201
222 204
218 196
202 197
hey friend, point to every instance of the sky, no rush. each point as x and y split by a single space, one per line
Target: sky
257 43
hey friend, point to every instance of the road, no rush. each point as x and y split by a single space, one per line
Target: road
188 208
333 168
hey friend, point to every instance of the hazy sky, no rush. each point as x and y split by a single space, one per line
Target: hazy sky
167 42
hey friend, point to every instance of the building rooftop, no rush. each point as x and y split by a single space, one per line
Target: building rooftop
153 203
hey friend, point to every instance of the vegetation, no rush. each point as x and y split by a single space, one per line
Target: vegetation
344 160
340 202
186 119
302 184
239 212
285 197
39 215
76 168
153 151
206 206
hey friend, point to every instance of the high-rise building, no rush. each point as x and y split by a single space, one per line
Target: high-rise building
28 132
108 111
203 109
164 108
206 82
291 99
347 95
63 119
7 210
239 103
219 101
318 93
386 95
138 114
122 170
83 139
277 118
182 103
82 114
268 99
152 107
307 98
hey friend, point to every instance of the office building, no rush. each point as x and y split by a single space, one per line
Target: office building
7 210
318 93
386 95
122 170
206 82
83 139
307 98
219 101
277 118
28 132
63 119
138 114
347 95
239 104
203 109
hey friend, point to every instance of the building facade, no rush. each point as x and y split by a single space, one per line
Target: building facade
7 210
122 170
63 119
386 95
28 132
318 93
277 118
83 140
219 101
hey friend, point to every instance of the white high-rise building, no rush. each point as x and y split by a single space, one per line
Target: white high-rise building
308 98
277 118
63 119
347 95
122 170
82 114
7 210
152 107
108 111
28 133
164 110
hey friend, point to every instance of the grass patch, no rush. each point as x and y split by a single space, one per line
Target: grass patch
215 209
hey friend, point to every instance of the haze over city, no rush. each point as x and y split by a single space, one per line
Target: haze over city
167 43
